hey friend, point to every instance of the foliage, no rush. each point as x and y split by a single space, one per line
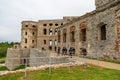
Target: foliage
4 46
2 60
75 73
20 67
3 68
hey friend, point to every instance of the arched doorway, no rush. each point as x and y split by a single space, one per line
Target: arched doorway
71 51
64 51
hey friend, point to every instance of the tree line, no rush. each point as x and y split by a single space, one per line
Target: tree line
4 46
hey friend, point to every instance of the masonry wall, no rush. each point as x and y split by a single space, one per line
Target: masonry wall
16 57
95 47
50 36
38 58
29 34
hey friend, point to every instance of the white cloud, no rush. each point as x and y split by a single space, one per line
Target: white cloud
12 12
9 34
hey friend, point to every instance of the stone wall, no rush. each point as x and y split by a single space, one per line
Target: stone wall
93 44
29 34
15 57
38 58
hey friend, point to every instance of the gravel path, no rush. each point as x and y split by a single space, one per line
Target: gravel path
104 64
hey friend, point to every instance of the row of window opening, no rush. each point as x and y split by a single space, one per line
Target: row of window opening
83 34
33 33
51 24
26 41
50 42
50 48
32 26
50 31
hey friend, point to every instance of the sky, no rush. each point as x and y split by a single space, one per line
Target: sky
13 12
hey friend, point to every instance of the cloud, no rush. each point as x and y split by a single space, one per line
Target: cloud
9 34
13 12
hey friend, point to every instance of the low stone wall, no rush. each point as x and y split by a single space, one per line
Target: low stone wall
42 67
15 57
38 58
32 57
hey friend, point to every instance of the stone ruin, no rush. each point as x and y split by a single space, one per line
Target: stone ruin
32 57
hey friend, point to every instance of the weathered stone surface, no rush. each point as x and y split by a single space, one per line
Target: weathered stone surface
98 32
15 57
38 58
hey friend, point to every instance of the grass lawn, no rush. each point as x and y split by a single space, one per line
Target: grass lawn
2 60
76 73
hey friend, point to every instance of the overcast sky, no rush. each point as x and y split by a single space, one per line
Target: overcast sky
13 12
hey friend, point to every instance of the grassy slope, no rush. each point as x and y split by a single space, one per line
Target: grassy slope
77 73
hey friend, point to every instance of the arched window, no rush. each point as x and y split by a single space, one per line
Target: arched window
33 41
26 25
83 31
25 40
44 41
55 42
56 24
50 48
55 31
59 50
44 24
64 35
59 36
50 24
33 33
50 31
33 26
26 33
102 31
72 34
55 48
45 31
50 42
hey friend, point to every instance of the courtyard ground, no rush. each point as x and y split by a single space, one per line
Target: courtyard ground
103 64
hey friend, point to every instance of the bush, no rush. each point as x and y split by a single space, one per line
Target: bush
20 67
3 68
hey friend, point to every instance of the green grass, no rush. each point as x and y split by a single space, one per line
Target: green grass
3 68
76 73
2 60
20 67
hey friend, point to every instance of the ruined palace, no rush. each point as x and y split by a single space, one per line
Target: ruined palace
98 32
